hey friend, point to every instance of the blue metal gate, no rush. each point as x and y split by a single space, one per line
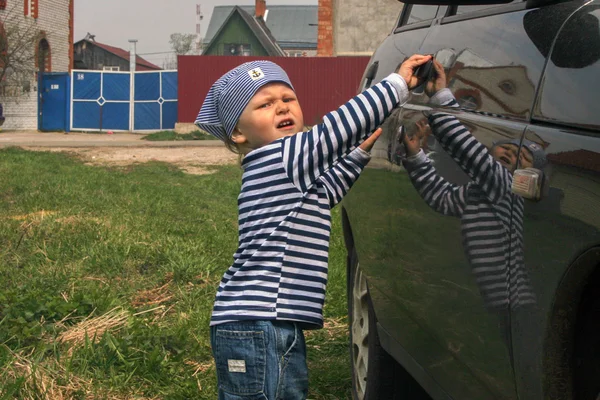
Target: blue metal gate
53 101
155 100
107 100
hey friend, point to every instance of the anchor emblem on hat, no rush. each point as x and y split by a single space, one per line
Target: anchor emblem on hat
256 73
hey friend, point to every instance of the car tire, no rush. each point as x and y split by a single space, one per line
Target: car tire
375 374
587 351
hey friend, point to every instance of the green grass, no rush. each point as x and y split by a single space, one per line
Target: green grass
134 254
172 135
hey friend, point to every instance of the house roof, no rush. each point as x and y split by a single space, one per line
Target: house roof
142 64
291 26
258 27
577 158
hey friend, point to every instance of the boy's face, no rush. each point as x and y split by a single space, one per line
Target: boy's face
506 154
272 113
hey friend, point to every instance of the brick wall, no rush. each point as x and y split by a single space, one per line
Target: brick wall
360 26
55 21
354 27
325 45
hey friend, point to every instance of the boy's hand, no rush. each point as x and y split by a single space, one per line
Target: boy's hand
439 82
413 143
408 67
367 145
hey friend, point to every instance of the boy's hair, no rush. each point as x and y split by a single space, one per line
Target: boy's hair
229 95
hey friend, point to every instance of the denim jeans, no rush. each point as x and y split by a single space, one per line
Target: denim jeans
263 360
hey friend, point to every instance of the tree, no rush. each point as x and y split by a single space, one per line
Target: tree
182 43
18 40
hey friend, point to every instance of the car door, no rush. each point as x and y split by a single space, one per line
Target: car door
406 38
493 69
564 224
426 291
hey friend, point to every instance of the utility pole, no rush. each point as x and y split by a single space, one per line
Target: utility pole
199 18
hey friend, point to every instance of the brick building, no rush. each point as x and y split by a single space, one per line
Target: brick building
354 27
52 21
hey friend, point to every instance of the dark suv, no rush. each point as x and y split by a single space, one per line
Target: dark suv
420 323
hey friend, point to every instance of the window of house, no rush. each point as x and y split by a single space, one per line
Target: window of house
44 56
3 44
237 49
108 68
30 7
421 12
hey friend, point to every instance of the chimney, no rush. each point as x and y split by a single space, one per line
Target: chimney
325 40
260 7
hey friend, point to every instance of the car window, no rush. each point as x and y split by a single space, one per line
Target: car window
470 9
570 91
421 12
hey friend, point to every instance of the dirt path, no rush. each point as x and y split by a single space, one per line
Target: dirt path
193 160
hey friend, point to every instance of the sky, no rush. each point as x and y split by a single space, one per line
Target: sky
151 22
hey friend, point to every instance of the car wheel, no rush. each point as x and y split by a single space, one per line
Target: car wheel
375 374
587 352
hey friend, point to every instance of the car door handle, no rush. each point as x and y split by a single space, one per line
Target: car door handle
370 74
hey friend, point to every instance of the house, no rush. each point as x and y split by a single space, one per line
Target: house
242 34
293 28
89 54
355 27
35 36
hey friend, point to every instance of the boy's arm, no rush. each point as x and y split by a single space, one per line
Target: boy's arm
443 98
472 156
437 90
339 179
308 155
441 195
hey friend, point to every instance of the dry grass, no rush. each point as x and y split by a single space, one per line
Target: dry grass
155 296
201 367
92 328
333 329
37 215
43 382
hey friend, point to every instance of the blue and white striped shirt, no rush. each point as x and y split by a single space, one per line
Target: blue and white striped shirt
279 270
491 215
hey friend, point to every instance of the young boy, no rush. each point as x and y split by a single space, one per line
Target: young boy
492 233
276 285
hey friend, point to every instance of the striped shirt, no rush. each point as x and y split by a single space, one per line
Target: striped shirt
491 215
279 270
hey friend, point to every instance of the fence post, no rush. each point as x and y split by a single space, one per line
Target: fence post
132 66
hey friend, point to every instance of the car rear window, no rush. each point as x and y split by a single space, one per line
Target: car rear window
421 12
571 86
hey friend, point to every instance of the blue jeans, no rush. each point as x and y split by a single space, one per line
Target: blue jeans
263 360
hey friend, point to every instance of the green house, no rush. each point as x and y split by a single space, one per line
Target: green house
243 35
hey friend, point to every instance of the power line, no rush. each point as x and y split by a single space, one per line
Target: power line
159 52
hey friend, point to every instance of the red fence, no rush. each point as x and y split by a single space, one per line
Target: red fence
322 83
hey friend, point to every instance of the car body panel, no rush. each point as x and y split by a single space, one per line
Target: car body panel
431 314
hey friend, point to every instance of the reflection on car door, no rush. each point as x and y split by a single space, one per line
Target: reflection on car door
565 223
436 308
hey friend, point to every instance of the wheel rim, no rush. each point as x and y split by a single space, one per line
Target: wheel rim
360 332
